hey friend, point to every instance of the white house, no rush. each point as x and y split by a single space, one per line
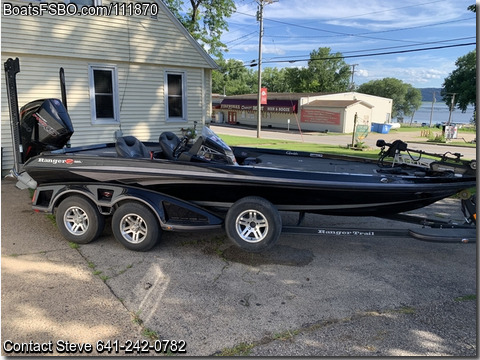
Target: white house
137 70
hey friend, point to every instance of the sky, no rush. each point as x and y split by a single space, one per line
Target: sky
294 28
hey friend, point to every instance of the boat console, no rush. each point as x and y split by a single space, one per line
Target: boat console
207 148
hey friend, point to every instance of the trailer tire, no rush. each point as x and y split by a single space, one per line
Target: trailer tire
78 220
135 227
253 223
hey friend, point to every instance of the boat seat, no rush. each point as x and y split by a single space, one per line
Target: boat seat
168 142
131 147
196 146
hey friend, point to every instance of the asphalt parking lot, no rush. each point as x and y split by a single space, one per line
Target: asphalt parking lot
309 296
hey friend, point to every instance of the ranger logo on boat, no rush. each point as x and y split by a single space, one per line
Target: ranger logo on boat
59 161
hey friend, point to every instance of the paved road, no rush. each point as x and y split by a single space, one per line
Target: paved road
328 296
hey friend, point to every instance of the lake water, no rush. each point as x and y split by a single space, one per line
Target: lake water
440 114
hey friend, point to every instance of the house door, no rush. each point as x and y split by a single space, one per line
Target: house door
232 117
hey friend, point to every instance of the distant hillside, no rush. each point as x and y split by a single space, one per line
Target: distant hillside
427 94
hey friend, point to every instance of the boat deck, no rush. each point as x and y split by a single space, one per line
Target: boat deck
261 158
319 164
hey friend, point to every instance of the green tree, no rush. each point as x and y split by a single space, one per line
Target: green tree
233 78
296 79
413 100
274 79
406 99
327 72
205 20
462 83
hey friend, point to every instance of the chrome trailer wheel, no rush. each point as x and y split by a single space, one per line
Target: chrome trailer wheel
135 227
78 220
253 224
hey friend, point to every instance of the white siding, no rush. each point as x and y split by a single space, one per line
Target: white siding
382 107
138 39
141 48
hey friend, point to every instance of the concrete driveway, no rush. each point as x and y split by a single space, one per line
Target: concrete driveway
309 296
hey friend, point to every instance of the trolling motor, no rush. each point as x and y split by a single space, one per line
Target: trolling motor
447 162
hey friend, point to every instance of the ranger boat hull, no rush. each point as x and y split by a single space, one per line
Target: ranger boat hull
290 180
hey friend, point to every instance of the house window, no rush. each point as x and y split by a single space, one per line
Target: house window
104 94
175 96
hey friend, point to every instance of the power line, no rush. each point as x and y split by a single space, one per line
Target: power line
419 26
387 10
375 32
389 47
373 54
362 35
338 33
254 63
248 36
370 13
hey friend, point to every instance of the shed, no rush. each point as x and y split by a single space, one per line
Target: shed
335 115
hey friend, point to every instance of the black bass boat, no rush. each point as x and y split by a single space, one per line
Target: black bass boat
291 180
177 184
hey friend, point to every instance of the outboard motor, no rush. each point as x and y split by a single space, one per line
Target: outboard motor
44 125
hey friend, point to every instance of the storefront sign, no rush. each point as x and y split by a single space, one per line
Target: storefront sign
317 116
263 96
361 132
280 109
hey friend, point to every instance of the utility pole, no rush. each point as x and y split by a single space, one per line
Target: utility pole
452 104
431 111
259 98
353 72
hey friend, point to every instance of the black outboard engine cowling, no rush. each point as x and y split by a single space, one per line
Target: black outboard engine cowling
44 126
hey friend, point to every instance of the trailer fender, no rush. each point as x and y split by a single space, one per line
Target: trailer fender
172 213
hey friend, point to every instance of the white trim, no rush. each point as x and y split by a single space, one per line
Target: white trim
213 65
183 74
116 108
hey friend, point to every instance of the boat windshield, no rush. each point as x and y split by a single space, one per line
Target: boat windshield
207 133
218 145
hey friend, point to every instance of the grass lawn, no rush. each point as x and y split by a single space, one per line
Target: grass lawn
309 147
297 146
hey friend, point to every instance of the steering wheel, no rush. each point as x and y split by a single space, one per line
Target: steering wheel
181 146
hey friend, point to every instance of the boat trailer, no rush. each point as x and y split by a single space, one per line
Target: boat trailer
101 196
431 230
